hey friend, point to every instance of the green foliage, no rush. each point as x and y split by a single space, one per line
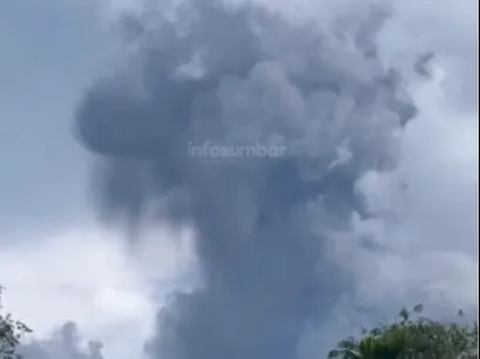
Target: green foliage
11 331
407 338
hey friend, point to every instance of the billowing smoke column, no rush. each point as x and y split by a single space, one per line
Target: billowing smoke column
169 127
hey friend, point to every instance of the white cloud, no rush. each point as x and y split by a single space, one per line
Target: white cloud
85 276
425 223
425 228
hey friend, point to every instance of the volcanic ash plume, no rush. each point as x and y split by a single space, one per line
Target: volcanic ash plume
205 83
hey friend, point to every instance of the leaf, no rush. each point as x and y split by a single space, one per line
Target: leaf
416 338
334 353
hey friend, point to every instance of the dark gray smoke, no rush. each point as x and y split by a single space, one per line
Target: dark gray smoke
261 223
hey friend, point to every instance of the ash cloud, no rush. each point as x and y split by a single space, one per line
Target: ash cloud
261 224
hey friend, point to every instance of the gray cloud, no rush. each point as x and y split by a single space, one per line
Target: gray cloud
261 224
65 344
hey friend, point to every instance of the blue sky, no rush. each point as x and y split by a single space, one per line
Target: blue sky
53 250
49 53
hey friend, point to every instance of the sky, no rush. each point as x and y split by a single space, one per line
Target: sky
59 263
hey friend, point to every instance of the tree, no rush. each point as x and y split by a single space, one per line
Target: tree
412 338
11 332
